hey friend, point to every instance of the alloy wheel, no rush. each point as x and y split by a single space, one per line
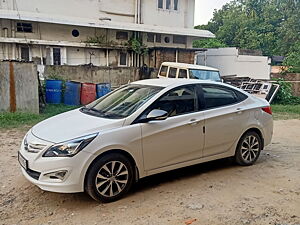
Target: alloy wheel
250 148
112 178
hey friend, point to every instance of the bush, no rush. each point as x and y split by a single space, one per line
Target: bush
285 94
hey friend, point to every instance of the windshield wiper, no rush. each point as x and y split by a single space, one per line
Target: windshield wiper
92 110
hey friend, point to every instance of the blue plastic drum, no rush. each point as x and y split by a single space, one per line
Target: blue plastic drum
54 91
103 89
72 93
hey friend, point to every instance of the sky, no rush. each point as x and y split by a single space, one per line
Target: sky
204 10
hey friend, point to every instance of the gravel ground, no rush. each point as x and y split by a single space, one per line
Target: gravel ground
217 192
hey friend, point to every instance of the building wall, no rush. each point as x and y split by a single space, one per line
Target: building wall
95 9
18 87
114 75
229 62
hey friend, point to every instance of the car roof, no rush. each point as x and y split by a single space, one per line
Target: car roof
188 66
165 82
173 82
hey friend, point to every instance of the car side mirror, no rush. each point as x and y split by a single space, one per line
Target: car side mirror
155 114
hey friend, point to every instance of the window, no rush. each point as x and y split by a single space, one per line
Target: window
182 73
205 75
160 4
150 37
175 4
172 72
168 4
177 39
75 33
123 102
216 96
176 102
163 71
167 40
24 27
121 35
158 38
56 56
25 53
123 59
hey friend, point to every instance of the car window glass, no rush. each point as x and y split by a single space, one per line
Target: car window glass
218 96
177 101
172 72
204 75
240 95
182 73
163 71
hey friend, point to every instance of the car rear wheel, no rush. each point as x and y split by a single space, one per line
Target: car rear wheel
248 149
109 178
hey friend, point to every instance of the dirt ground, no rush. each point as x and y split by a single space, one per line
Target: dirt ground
218 192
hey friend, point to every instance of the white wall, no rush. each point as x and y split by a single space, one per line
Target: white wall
229 62
116 10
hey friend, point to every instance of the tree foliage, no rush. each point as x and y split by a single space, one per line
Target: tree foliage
272 26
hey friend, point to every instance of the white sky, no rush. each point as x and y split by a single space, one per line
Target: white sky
204 10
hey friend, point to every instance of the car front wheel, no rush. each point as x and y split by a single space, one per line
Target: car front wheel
248 149
109 178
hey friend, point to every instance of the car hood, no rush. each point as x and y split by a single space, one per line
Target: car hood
73 124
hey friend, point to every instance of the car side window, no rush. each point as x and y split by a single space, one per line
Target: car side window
176 102
217 96
163 71
182 73
172 72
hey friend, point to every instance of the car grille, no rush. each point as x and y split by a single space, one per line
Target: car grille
34 148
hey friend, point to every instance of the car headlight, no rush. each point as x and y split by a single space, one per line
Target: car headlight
69 148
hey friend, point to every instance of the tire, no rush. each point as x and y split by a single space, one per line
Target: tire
247 154
109 178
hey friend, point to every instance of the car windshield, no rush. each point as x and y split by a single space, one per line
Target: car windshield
205 75
122 102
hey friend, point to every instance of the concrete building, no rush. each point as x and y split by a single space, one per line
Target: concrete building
237 62
117 33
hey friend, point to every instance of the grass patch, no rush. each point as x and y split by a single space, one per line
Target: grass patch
286 112
19 119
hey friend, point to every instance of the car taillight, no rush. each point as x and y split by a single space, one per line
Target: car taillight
267 110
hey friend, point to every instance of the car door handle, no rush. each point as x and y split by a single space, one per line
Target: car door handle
193 122
239 110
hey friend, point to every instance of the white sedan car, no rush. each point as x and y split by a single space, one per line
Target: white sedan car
144 128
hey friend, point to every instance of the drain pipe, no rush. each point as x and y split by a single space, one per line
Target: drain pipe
135 10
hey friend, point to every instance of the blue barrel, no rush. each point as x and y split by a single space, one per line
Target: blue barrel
72 93
103 89
54 91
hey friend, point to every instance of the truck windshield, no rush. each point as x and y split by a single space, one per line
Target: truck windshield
205 75
122 102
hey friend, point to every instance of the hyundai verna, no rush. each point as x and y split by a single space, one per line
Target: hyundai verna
144 128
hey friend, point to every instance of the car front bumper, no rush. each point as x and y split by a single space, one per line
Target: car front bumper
38 169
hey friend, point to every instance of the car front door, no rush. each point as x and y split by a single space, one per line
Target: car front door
225 117
179 138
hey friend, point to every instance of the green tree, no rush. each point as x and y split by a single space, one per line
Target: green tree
208 43
272 26
293 59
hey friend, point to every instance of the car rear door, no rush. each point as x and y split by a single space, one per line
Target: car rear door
180 137
225 118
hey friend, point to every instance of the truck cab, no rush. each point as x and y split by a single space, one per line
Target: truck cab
188 71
